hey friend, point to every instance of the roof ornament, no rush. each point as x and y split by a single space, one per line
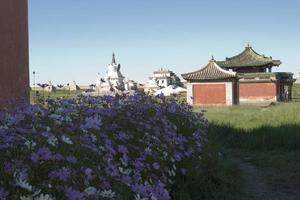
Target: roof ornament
248 45
113 59
212 58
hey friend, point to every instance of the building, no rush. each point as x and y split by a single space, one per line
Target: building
130 85
164 78
249 61
254 81
297 77
161 78
257 83
14 59
211 86
113 81
73 86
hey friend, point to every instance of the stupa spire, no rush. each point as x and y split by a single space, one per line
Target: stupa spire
113 59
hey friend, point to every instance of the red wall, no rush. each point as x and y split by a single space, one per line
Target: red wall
257 90
14 67
209 94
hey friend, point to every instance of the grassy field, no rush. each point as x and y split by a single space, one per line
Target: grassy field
296 91
252 127
40 96
269 138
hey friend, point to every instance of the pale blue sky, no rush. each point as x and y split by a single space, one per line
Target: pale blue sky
74 39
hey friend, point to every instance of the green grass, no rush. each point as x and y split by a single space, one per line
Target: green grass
251 117
296 91
275 127
268 137
38 97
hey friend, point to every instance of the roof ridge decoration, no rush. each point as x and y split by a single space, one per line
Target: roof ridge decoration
212 71
248 58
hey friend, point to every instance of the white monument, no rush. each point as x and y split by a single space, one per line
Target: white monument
113 81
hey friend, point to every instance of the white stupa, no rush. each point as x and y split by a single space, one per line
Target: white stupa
113 81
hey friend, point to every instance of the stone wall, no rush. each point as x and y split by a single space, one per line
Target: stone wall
14 64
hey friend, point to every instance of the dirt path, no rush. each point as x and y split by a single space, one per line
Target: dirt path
259 185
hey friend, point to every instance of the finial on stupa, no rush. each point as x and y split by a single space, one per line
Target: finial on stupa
212 58
113 59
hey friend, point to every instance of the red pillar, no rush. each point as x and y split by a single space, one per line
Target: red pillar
14 59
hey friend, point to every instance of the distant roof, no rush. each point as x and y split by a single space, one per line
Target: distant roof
210 72
248 58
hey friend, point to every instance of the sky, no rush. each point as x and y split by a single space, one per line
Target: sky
73 40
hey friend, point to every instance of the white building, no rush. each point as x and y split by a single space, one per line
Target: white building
73 86
297 77
161 78
130 85
50 87
114 80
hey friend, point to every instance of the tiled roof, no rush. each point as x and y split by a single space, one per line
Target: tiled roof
248 58
210 72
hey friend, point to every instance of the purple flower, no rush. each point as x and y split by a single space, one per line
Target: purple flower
123 142
72 194
111 170
122 136
42 154
88 172
138 165
63 174
122 149
156 166
3 194
16 119
126 180
178 156
71 159
92 123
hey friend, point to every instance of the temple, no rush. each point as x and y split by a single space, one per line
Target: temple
243 79
211 85
249 61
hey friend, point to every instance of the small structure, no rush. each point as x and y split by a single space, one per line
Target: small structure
171 90
130 85
50 87
211 86
73 86
151 86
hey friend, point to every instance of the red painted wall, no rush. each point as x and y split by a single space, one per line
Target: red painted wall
209 94
257 90
14 64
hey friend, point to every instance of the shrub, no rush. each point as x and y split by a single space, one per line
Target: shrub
123 147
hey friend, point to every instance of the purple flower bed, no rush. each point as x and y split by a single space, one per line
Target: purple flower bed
98 148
